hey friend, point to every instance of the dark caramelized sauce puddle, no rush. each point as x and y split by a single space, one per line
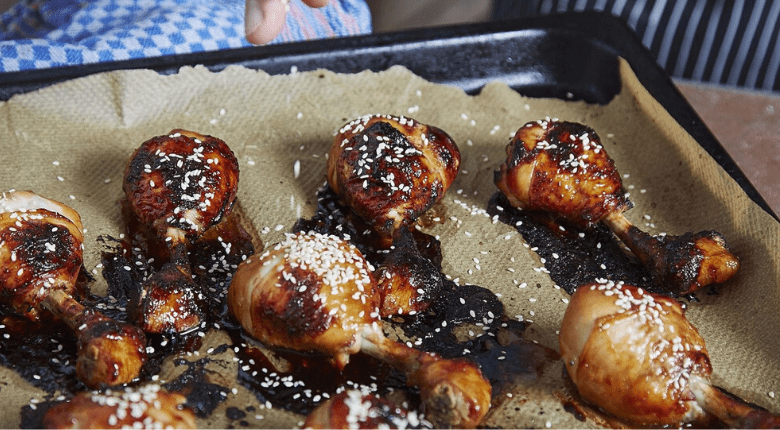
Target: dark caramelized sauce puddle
583 255
435 329
304 381
309 380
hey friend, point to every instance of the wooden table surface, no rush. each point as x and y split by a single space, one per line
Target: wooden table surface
747 124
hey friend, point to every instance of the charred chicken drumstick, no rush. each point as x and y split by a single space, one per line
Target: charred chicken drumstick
352 409
390 170
179 185
560 167
41 245
408 282
636 356
148 406
316 293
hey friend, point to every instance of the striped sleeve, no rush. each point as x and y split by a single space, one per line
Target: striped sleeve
730 42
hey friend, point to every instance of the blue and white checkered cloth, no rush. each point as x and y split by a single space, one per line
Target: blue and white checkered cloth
38 34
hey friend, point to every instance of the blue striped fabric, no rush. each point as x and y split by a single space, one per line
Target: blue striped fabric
730 42
37 34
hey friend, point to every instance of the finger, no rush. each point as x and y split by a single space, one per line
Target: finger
316 3
263 20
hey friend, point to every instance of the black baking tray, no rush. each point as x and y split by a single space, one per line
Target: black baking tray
570 56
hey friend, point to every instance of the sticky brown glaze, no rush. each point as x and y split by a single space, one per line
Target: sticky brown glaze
148 406
636 356
310 292
181 183
561 167
352 409
390 170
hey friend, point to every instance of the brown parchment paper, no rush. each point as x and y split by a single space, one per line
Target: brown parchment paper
71 142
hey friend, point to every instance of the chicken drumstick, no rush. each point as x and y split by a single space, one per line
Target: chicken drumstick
635 355
560 167
41 245
148 406
316 293
352 409
408 282
390 170
179 185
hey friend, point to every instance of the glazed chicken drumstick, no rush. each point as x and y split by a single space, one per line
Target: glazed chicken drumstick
316 293
636 356
408 282
390 170
179 185
561 168
41 245
352 409
148 406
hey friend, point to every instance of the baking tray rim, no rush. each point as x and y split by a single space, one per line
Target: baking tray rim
607 36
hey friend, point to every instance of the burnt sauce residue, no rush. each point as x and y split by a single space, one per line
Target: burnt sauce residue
44 354
503 362
277 378
573 256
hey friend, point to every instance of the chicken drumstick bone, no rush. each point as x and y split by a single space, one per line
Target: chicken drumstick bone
41 245
316 293
179 184
635 355
560 167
